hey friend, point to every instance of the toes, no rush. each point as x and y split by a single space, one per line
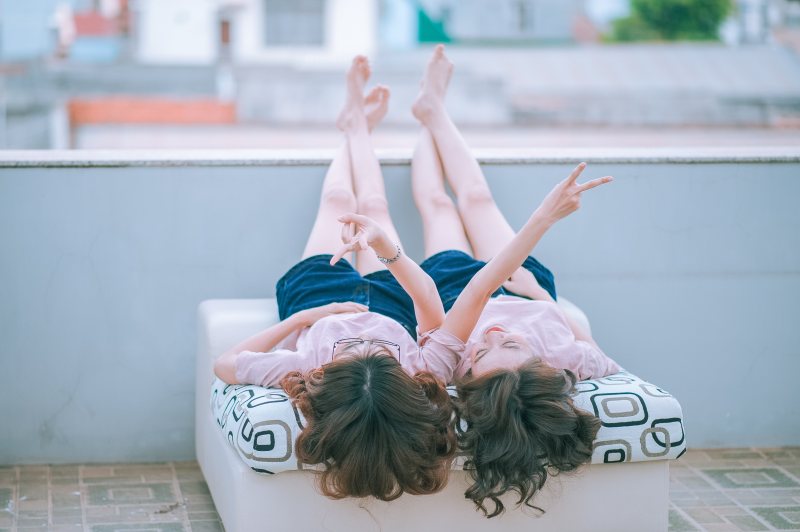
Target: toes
374 95
362 62
361 65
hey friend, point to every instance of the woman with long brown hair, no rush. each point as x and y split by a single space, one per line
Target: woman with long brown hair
521 355
377 415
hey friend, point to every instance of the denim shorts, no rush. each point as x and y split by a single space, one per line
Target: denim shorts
451 270
313 282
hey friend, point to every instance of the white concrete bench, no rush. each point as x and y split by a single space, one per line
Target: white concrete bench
615 497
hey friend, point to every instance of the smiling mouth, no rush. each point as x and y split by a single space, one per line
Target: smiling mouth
495 328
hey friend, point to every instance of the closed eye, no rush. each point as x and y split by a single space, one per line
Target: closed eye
511 345
479 354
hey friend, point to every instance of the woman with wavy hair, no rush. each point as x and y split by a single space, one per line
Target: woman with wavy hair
521 354
378 417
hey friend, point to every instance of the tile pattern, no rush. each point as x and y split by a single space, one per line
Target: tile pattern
161 497
736 489
714 490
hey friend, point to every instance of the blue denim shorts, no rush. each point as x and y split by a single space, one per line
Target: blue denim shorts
451 270
313 282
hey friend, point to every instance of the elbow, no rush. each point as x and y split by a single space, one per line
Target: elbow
428 290
477 295
434 303
225 369
218 368
482 286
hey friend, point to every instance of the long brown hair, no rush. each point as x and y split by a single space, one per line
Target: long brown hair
521 427
378 431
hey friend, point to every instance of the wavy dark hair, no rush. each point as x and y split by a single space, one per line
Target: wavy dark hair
377 430
521 427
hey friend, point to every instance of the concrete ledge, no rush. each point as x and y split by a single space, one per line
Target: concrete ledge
229 158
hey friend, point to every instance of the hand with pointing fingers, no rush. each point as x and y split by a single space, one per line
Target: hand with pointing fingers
565 198
361 232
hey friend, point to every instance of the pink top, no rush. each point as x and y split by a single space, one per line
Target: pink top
544 326
437 351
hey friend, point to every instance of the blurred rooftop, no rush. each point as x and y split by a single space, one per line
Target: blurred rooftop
602 95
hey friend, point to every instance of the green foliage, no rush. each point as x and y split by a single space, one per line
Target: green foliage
672 20
634 29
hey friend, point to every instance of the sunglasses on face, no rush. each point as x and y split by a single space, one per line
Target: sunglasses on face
390 346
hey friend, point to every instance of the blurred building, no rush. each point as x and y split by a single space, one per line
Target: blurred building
27 31
499 21
214 68
252 31
82 30
754 21
268 31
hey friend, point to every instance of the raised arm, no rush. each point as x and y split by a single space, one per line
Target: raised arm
360 232
563 200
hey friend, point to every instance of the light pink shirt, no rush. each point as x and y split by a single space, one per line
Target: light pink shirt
544 326
437 351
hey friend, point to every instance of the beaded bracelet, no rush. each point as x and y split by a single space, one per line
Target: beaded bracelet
393 259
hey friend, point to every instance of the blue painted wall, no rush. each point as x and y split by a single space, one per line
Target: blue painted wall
690 274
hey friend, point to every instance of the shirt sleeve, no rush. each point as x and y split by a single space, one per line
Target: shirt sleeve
583 358
267 369
593 363
440 352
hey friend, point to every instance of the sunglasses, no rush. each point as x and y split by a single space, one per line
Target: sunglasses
356 341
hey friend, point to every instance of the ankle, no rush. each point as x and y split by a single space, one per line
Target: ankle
354 124
431 116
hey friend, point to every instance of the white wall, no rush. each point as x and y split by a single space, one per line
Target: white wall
177 31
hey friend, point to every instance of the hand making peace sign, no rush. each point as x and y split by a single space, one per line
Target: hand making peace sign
565 198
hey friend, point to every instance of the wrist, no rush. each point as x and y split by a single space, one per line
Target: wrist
542 218
394 258
302 319
384 247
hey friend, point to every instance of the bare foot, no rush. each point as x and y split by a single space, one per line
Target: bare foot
357 77
376 104
434 85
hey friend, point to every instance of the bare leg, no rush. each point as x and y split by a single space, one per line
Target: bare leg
442 229
337 198
487 228
367 177
337 195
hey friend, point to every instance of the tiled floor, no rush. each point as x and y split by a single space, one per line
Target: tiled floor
163 497
734 489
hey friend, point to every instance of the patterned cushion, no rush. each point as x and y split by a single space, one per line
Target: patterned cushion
639 422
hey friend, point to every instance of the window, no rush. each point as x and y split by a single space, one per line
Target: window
294 22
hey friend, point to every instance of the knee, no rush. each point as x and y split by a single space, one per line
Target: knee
339 199
373 206
475 196
438 203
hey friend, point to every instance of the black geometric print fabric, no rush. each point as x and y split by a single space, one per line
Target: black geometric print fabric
639 422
